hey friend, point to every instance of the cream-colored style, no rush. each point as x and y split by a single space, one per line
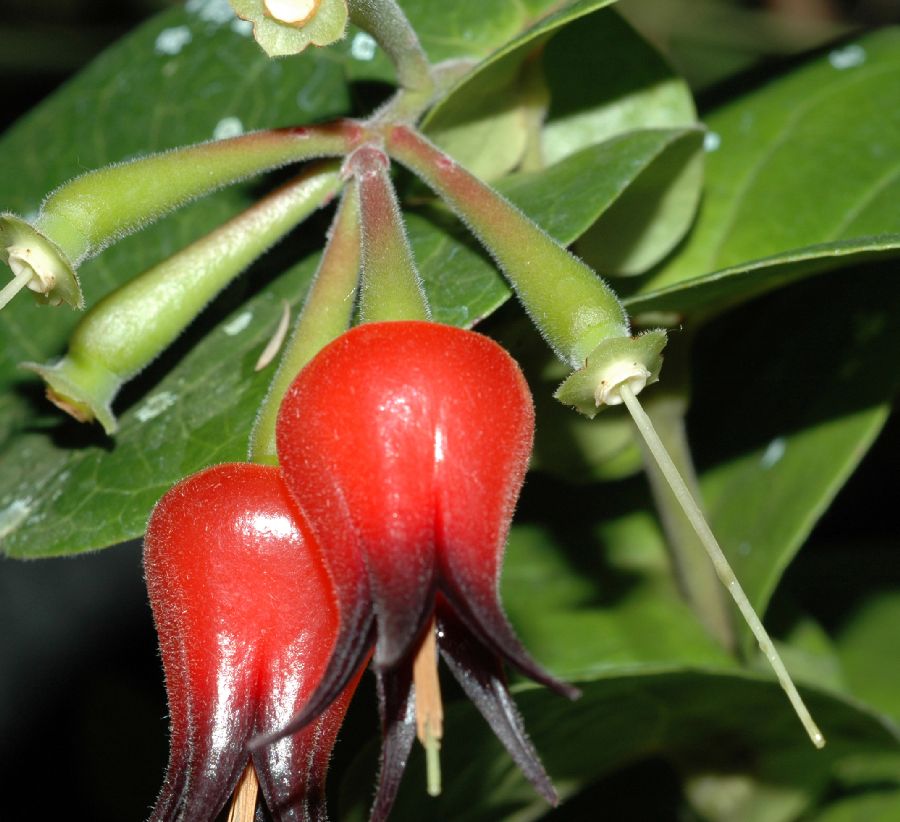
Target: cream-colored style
31 268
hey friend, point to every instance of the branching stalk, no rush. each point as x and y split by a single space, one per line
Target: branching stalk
718 559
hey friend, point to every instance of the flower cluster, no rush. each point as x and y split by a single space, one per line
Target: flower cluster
402 449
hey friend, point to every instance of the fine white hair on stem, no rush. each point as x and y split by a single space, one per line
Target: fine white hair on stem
717 557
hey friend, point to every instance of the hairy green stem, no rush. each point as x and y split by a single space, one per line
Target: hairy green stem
388 24
325 316
100 207
391 286
571 306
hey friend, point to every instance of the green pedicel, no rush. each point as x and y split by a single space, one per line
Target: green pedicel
130 327
325 316
90 212
391 286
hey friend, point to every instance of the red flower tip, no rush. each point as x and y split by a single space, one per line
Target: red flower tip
405 445
247 620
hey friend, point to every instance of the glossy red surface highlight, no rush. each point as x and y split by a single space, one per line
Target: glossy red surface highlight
247 619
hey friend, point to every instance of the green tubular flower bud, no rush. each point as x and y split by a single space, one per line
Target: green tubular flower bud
130 327
326 315
391 288
576 312
571 306
92 211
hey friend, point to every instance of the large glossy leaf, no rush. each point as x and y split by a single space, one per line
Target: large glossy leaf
882 805
790 393
604 80
799 173
712 293
864 646
486 120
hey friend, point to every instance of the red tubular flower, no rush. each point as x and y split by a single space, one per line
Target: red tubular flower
247 620
405 445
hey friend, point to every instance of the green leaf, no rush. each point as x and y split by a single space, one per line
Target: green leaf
790 393
485 120
876 806
487 124
584 615
187 75
732 722
801 171
865 647
713 293
605 80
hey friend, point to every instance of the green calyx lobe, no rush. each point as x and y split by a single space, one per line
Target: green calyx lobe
326 23
610 359
22 246
82 387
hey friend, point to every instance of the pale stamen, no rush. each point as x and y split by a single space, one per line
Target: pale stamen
429 708
243 804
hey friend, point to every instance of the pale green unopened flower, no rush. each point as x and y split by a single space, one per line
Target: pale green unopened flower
283 27
129 328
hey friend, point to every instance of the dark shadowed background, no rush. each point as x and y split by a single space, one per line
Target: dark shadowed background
82 704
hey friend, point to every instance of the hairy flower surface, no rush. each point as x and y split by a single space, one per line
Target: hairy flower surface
247 620
406 444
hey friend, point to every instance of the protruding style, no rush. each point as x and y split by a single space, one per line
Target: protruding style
406 444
